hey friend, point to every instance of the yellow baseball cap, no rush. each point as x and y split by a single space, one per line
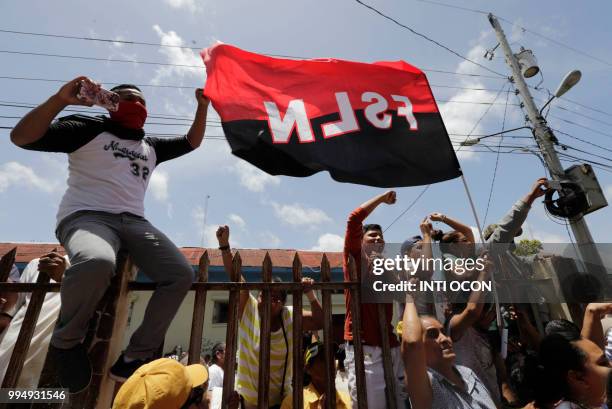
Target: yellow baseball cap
160 384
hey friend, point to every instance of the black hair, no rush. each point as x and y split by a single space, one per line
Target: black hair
371 226
125 86
218 347
544 378
282 293
565 328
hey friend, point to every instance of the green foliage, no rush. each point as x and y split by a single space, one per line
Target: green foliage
527 247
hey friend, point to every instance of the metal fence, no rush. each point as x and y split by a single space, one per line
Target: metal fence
107 332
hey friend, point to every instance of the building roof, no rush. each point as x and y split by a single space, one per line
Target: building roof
281 258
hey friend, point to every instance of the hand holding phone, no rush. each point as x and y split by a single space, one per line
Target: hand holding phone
92 93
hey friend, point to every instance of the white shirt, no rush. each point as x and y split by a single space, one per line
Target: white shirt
215 377
37 352
108 174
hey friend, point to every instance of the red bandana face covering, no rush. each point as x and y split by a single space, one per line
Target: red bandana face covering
131 114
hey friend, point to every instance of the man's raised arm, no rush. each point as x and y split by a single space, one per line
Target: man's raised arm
33 126
228 264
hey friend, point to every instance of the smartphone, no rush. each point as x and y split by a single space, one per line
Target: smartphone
90 93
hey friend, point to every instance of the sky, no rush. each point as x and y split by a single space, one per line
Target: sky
266 211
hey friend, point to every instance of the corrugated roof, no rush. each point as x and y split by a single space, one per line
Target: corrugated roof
282 258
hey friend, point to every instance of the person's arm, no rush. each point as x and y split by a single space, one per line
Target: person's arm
223 233
418 384
198 127
459 323
454 224
502 378
312 320
529 334
426 250
54 265
352 238
509 225
35 124
591 324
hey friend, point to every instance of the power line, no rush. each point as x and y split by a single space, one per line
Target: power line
131 42
187 66
525 29
454 7
559 43
567 121
410 206
413 31
582 115
5 77
563 146
78 57
484 220
582 140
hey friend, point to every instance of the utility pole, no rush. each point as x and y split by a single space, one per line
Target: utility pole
545 140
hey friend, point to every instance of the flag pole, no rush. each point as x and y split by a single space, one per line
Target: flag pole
495 295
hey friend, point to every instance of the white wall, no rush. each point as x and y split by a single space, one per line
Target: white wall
180 329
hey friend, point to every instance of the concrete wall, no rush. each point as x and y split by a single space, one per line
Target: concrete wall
180 329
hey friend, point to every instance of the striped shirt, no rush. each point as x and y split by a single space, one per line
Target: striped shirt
248 355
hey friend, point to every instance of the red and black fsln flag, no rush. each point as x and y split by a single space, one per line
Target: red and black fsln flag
372 124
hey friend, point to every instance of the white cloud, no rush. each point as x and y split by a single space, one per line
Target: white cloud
462 118
16 174
298 215
329 242
608 193
118 42
207 236
253 178
178 56
237 220
269 240
190 5
159 185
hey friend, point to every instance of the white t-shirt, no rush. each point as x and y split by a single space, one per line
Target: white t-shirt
215 377
109 167
37 352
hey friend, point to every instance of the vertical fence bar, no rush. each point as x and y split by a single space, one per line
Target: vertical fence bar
13 371
298 356
386 355
362 398
199 308
231 336
263 391
6 264
330 362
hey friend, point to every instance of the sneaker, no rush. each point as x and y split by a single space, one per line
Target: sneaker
122 370
73 366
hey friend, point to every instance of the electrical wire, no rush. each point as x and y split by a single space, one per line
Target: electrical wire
581 140
567 121
6 77
484 220
413 31
524 29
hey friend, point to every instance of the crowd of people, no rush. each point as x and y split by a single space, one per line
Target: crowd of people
444 353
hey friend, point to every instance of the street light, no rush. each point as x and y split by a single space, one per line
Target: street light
474 141
570 79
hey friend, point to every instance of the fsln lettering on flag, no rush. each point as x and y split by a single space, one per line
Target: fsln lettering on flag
372 124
